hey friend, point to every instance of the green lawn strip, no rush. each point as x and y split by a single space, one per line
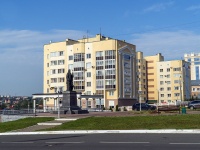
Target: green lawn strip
22 123
133 123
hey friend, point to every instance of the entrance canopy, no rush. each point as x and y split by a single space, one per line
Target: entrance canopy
47 95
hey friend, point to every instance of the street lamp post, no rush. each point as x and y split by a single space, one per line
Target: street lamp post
180 89
58 103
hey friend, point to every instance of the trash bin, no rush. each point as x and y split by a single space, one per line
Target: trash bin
183 110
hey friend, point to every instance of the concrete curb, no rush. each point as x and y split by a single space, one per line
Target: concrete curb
49 124
167 131
65 119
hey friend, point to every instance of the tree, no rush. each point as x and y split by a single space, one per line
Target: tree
3 106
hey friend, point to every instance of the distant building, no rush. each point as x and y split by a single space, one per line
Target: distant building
152 74
173 81
195 89
194 59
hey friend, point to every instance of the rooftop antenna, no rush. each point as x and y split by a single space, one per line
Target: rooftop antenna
87 35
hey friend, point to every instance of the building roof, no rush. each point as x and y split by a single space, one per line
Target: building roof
195 82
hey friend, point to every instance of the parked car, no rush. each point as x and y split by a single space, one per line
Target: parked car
194 104
144 106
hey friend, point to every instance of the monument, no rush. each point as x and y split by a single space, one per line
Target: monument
69 102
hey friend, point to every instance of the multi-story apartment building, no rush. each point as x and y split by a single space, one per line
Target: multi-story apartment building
152 87
173 81
194 59
195 89
100 65
142 77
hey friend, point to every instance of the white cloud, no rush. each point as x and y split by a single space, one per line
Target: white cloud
21 58
172 45
193 8
158 7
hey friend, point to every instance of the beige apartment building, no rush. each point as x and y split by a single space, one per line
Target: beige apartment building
142 77
173 81
100 65
152 74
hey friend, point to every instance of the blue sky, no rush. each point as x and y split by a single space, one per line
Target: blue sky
170 27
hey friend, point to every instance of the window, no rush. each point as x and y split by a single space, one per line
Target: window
53 54
111 93
60 89
70 66
177 75
61 79
53 80
53 63
176 81
168 95
197 72
161 95
169 89
47 64
196 59
88 74
176 88
88 84
161 82
88 65
177 69
99 53
168 82
61 70
161 76
161 89
176 94
189 60
71 57
53 71
168 69
161 70
47 81
88 56
61 53
61 62
88 92
168 76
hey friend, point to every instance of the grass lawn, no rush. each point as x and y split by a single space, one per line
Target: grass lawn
133 123
22 123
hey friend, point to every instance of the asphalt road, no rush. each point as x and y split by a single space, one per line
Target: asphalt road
101 141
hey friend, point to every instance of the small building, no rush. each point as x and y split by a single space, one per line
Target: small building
195 89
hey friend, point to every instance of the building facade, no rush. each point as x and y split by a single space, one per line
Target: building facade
173 81
194 59
152 80
195 89
100 66
142 77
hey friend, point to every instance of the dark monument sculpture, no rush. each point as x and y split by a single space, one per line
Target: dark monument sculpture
69 102
70 77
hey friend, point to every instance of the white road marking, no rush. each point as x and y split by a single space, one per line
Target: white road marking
185 143
64 142
18 142
104 142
